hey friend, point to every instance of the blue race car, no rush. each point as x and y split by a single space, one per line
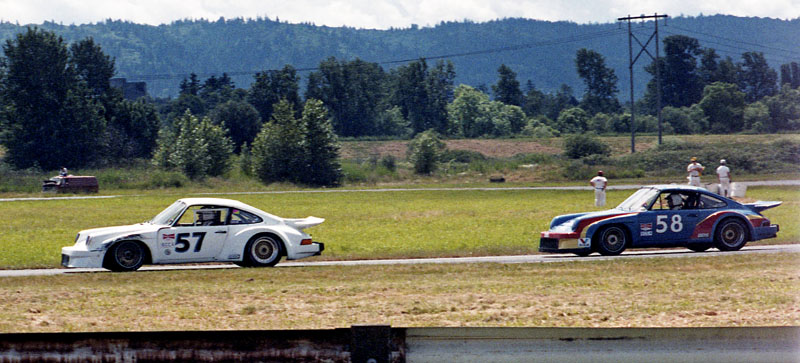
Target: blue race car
662 216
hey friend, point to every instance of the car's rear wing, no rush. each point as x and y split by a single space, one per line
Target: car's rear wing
762 205
303 223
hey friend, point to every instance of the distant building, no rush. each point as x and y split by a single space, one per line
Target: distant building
130 90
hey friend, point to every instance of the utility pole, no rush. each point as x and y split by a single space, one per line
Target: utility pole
632 60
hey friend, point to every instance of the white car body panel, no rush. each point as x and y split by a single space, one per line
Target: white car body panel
179 243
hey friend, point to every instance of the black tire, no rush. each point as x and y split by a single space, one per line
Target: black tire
730 235
612 241
699 247
263 251
125 256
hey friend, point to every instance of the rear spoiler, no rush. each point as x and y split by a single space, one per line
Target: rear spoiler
303 223
761 205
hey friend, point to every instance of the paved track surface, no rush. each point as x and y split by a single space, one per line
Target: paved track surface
615 187
548 258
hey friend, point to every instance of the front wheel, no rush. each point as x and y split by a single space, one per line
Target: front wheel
731 235
124 256
263 251
613 241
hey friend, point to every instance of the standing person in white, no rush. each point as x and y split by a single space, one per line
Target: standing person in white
695 170
599 183
724 178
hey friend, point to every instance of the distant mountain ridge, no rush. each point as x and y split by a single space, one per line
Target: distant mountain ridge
540 51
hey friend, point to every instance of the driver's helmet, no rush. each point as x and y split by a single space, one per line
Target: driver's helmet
206 216
674 200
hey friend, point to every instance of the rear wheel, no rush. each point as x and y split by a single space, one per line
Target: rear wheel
612 242
263 251
731 235
124 256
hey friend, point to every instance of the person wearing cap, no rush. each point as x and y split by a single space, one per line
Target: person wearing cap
724 178
695 170
599 184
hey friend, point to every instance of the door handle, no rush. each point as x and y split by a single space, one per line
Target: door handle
221 232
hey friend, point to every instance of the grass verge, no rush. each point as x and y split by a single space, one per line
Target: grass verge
740 290
359 225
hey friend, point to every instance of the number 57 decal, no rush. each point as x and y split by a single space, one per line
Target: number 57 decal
182 244
676 224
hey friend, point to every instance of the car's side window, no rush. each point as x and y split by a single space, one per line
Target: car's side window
709 202
675 201
203 215
239 216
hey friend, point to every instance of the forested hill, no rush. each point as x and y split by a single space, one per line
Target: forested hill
539 51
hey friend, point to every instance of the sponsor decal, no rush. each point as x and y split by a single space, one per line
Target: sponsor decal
234 257
584 242
645 229
167 252
702 235
168 236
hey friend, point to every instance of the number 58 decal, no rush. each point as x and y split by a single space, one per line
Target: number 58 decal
675 224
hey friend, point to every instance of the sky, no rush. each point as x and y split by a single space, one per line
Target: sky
378 14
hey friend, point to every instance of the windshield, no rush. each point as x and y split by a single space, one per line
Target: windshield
167 216
639 200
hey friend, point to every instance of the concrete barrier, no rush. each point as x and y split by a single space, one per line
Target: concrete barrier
382 343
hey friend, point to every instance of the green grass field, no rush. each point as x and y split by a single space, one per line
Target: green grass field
359 225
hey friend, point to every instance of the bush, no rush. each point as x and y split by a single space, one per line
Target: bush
578 146
425 152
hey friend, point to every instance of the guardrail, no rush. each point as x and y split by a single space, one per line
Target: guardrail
383 343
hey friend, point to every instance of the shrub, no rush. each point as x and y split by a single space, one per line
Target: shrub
578 146
425 152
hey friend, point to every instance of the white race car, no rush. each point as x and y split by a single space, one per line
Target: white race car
196 230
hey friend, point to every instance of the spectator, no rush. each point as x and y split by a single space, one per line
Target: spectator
695 170
724 178
63 171
599 183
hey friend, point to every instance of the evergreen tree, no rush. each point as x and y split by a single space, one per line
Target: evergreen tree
50 117
507 88
271 87
423 94
277 151
353 93
190 86
196 147
320 147
425 152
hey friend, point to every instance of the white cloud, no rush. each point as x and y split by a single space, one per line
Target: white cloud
380 14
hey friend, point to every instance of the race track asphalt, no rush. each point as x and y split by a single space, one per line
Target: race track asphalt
537 258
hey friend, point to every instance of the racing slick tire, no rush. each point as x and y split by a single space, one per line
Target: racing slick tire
730 235
124 256
263 251
613 240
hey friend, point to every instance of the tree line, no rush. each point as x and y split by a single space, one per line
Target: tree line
59 109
